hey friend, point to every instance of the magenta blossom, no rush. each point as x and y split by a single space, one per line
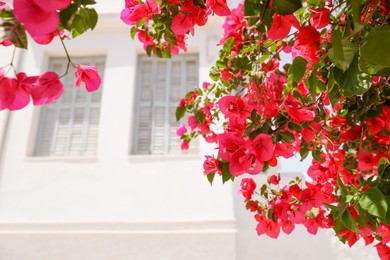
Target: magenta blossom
89 75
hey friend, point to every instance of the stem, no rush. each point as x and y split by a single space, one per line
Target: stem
11 64
67 55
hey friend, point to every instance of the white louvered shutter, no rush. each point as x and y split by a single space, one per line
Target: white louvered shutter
160 85
69 126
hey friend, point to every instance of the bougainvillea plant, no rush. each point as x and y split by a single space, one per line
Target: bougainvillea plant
306 77
43 21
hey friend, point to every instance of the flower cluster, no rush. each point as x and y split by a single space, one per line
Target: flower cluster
43 20
331 102
162 26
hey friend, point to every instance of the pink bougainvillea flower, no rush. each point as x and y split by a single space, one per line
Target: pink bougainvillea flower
3 5
47 88
184 145
383 251
39 17
182 23
52 5
366 161
284 150
243 161
384 231
6 43
22 95
248 186
181 131
375 125
263 147
320 17
89 75
219 7
210 165
280 27
225 75
228 144
8 89
47 38
274 179
135 12
297 113
267 226
233 106
307 44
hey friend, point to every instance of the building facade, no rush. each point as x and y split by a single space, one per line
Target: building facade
101 176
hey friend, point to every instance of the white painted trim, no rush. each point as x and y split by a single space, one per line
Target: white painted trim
224 226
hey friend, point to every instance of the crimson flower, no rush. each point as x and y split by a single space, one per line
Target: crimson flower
307 43
366 161
219 7
383 251
319 17
89 75
281 26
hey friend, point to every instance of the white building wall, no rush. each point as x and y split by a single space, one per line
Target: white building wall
117 206
114 206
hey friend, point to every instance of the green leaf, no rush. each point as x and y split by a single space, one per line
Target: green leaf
334 95
349 222
90 17
337 46
353 81
284 7
298 68
374 202
88 2
78 26
304 152
375 51
356 13
343 189
200 3
317 155
343 57
214 73
200 117
13 31
252 8
66 16
287 136
383 163
210 177
180 112
228 44
133 31
226 176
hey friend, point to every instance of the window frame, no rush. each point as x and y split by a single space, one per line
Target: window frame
134 149
39 113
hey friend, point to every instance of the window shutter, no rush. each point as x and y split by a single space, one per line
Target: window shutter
69 126
160 86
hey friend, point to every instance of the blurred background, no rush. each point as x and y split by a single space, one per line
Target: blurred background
101 176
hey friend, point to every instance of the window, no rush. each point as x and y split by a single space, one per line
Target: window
69 126
160 85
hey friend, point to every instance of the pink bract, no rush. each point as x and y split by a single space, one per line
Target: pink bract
89 75
47 88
